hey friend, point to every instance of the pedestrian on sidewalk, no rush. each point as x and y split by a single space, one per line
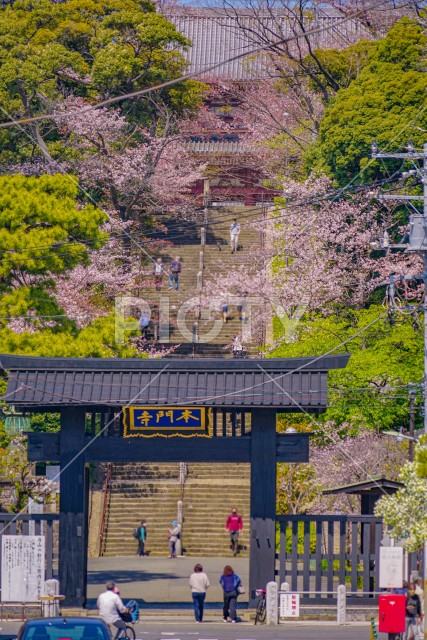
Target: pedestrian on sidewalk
413 613
142 537
175 269
230 582
199 584
234 235
420 593
110 606
237 347
174 536
143 322
234 526
242 306
224 310
158 274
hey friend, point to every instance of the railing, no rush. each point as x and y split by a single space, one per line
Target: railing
106 491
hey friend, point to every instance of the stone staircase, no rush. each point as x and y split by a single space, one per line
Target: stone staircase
151 491
211 490
141 491
215 261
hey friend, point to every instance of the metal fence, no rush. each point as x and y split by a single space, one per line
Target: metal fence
319 552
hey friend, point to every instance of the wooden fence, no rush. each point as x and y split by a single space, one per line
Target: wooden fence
319 552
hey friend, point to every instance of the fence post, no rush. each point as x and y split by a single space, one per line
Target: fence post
199 281
284 587
195 333
341 604
203 236
178 543
201 255
271 603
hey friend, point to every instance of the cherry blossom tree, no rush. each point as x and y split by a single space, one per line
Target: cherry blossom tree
317 254
134 170
336 462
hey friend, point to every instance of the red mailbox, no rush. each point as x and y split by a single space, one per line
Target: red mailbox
392 611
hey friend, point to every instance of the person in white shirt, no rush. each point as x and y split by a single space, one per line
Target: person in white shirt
234 235
199 583
110 605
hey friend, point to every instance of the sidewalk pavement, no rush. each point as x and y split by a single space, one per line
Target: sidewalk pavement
162 583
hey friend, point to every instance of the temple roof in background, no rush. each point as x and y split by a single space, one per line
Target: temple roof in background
219 34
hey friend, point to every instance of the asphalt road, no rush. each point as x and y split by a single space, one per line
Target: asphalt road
244 631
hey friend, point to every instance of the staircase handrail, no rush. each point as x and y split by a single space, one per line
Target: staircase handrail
106 491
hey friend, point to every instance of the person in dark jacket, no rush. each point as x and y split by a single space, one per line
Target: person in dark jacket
413 613
142 537
175 269
234 525
230 582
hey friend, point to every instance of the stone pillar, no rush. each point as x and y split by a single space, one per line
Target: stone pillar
271 603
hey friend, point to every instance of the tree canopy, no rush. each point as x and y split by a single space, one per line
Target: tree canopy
386 102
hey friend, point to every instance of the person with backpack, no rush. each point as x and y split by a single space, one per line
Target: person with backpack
231 585
143 322
140 534
174 536
413 613
175 269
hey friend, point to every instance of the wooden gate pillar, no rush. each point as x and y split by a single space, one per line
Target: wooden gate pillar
263 500
73 501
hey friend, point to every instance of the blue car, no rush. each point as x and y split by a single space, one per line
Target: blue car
64 629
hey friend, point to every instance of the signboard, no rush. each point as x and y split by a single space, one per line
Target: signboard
34 507
22 568
289 605
391 567
149 422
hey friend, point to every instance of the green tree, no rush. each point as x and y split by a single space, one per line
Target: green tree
94 49
386 102
405 512
15 467
372 390
42 232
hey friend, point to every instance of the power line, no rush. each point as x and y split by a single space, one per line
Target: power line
194 74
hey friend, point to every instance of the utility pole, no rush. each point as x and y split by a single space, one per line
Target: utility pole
418 243
411 424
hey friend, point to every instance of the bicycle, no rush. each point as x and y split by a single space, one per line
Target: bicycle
128 632
261 611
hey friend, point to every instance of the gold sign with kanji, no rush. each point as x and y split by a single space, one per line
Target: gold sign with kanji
149 422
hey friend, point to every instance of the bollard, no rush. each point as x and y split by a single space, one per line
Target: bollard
51 607
203 236
199 281
271 603
284 587
201 260
341 604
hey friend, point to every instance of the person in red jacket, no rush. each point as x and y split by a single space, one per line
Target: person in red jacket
234 525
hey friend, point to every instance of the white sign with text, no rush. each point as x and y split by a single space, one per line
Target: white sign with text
391 567
289 605
22 568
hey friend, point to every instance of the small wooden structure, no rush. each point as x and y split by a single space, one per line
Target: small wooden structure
369 490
